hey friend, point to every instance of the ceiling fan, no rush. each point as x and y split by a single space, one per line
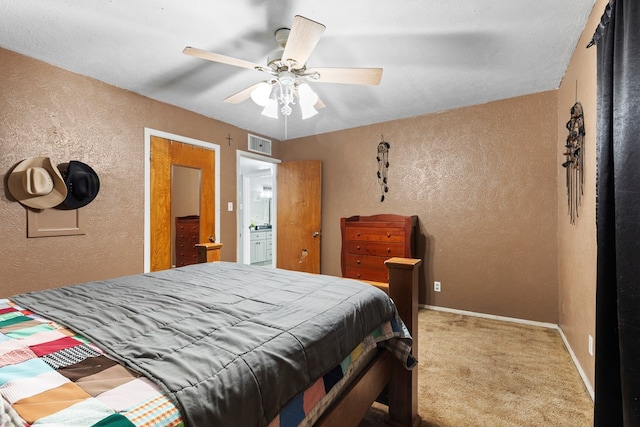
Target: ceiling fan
289 73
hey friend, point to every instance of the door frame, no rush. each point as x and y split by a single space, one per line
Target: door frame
148 133
240 154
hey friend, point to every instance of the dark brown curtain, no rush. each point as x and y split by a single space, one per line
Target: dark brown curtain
617 379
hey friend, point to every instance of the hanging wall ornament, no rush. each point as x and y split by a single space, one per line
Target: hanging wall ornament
383 167
574 161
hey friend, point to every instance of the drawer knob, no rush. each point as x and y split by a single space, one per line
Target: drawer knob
388 250
358 276
357 261
358 234
388 234
358 247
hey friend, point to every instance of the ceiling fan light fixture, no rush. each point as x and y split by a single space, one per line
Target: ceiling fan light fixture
271 108
307 95
288 72
307 111
308 99
260 95
286 78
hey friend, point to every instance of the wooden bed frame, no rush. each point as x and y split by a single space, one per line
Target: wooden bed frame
353 404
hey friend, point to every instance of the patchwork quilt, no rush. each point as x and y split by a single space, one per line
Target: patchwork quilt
50 376
210 344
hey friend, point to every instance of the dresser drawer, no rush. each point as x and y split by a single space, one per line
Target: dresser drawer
387 250
187 226
365 261
187 237
376 275
185 246
390 234
186 258
187 254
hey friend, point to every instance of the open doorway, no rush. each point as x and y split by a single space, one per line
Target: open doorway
256 209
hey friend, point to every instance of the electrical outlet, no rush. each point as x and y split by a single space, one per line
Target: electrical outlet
590 345
436 286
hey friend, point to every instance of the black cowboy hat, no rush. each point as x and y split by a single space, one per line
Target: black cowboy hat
82 185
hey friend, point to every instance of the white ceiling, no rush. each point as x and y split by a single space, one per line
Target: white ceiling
436 55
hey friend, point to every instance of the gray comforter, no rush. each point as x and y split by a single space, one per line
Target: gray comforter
231 344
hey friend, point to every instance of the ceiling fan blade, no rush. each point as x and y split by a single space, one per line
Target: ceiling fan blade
303 38
356 76
216 57
241 96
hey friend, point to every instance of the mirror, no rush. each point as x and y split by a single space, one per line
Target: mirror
185 214
261 196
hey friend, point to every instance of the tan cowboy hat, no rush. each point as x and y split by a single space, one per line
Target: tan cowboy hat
36 183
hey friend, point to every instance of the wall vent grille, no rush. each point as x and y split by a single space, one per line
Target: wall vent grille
259 145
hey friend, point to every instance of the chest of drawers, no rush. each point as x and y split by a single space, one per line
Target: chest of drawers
368 241
187 236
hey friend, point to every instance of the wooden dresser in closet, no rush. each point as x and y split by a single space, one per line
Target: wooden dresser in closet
187 236
368 241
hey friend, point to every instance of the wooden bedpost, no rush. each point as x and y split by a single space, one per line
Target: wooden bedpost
403 384
386 369
208 252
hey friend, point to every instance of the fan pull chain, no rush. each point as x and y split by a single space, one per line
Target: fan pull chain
383 166
285 128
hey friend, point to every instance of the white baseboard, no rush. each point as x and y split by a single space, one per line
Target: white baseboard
585 380
491 316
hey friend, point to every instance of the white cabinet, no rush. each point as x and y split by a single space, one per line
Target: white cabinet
261 247
269 247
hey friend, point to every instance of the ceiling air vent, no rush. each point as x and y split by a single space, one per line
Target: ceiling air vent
259 145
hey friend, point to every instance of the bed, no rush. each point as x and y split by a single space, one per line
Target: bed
210 344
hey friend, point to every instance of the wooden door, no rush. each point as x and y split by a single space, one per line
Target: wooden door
299 215
164 154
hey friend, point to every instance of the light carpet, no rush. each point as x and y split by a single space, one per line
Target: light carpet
482 372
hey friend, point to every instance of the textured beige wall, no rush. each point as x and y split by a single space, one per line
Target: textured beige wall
47 111
577 243
483 183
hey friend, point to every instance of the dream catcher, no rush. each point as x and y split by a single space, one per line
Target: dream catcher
383 167
574 163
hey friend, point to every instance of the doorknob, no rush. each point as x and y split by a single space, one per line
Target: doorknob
316 233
